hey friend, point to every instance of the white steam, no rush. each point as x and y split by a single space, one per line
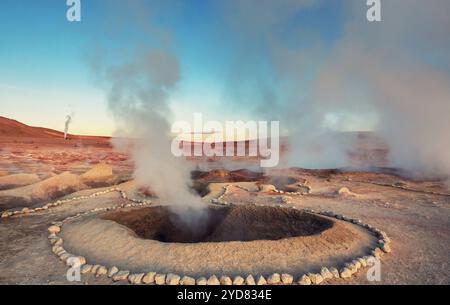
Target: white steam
66 126
138 86
393 75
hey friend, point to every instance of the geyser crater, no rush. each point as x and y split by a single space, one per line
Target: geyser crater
221 224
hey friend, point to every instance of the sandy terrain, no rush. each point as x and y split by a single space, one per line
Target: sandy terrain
415 215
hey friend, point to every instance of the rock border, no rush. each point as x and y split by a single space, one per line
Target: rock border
26 211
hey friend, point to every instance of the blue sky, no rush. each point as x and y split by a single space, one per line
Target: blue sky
45 75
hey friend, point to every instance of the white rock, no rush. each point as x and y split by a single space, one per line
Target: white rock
287 279
213 280
187 281
101 271
357 264
250 280
238 280
225 280
362 261
120 276
54 229
149 278
304 280
172 279
335 272
261 280
274 279
267 188
85 269
345 273
201 281
160 279
112 271
315 278
136 278
326 274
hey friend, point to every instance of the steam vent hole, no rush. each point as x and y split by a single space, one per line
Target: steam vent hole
220 224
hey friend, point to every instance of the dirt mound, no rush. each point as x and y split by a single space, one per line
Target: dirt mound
17 180
237 223
100 173
50 188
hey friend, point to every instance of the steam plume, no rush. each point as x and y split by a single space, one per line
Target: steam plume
66 126
138 85
392 77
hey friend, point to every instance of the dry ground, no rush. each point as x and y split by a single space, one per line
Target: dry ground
414 214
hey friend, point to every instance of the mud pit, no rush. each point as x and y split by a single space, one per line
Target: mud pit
222 224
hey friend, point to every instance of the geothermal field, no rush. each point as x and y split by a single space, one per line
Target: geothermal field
76 202
278 143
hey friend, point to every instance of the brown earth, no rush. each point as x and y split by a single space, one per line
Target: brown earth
414 213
